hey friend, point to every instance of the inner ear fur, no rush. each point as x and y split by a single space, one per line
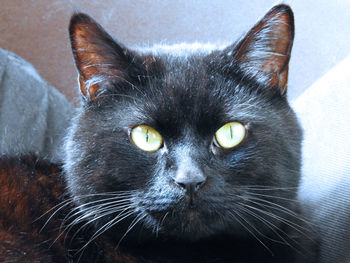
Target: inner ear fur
100 60
265 51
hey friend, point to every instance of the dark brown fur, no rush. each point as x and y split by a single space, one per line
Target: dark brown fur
30 189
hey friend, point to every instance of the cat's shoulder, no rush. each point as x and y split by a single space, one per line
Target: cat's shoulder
29 187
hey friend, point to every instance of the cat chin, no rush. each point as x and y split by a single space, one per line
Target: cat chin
190 225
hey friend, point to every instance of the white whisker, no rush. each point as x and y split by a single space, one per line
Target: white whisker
270 225
250 231
132 225
107 226
291 224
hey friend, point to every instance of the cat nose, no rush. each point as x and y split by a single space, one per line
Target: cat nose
191 182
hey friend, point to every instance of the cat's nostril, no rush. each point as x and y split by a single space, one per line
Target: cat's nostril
181 184
190 183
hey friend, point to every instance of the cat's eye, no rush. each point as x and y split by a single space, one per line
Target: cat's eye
146 138
230 135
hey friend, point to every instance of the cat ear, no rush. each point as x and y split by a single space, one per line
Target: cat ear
100 60
264 52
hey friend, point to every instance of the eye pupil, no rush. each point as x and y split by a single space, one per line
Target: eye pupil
147 135
231 132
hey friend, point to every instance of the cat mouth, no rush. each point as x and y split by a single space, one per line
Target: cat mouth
185 217
192 215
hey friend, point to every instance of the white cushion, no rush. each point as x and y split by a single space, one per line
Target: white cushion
324 113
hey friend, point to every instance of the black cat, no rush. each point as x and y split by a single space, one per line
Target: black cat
185 158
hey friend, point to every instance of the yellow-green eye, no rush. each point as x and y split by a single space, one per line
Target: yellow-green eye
230 135
146 138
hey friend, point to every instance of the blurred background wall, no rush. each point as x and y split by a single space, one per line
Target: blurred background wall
37 31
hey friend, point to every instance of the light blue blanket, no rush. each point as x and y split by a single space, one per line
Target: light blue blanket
33 115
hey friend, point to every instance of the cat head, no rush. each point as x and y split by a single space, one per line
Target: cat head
188 145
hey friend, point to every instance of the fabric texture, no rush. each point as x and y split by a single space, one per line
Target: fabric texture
324 113
33 114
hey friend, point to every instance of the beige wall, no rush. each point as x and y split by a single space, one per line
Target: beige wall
37 30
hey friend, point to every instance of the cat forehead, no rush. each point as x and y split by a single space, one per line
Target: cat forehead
186 93
205 105
181 49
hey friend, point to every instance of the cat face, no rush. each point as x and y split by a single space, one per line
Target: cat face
190 145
